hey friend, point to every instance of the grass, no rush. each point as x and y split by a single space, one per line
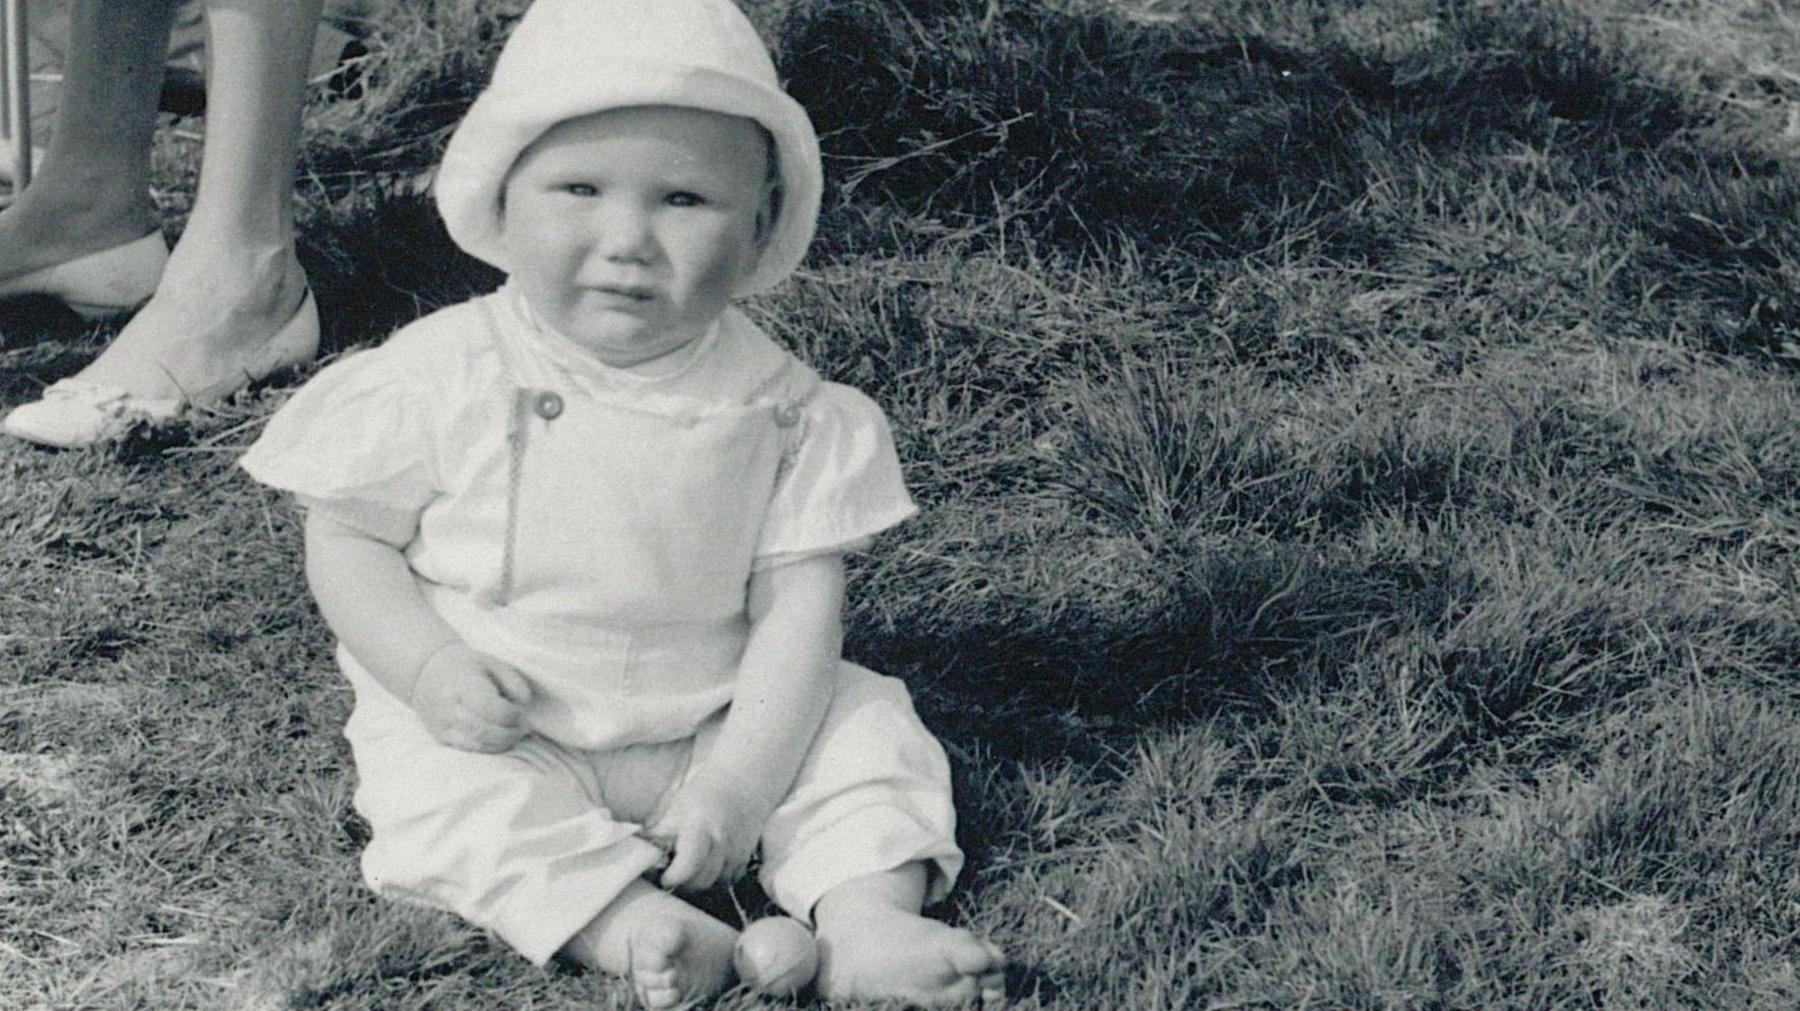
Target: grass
1361 485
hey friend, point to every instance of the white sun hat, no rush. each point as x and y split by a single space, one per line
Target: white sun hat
569 58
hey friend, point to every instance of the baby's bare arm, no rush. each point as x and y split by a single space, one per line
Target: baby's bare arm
788 674
372 602
370 599
785 683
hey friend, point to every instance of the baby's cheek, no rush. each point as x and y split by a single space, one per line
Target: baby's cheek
729 270
714 282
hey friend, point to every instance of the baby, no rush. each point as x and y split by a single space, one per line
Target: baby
581 542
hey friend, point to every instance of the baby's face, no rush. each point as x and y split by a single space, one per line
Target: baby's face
628 230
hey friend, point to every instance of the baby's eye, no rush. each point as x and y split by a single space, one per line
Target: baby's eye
685 198
580 189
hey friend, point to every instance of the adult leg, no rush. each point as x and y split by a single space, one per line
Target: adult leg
92 191
233 282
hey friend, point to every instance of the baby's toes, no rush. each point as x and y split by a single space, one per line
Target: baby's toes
655 956
658 998
681 959
980 966
993 986
971 955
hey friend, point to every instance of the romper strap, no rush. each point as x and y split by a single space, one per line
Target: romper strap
516 421
793 381
787 391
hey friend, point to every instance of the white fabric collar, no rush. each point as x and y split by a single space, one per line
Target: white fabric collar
577 360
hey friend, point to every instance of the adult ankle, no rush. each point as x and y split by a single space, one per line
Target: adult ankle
257 278
55 217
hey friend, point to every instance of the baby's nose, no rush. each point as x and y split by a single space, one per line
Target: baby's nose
624 233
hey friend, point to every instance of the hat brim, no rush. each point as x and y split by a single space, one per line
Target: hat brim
500 125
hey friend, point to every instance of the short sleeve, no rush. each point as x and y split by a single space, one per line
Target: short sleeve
842 484
355 441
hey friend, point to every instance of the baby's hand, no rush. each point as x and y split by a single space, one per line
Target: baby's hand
471 701
712 826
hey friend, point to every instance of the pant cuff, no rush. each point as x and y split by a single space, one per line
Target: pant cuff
871 841
537 917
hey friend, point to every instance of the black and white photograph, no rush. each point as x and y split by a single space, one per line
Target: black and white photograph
1056 505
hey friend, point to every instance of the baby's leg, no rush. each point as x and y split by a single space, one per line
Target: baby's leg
875 945
864 838
518 843
671 952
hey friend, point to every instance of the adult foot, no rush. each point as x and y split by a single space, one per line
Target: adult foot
215 324
675 961
891 954
51 224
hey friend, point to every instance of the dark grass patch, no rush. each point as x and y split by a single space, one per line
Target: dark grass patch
42 344
1509 68
1725 260
950 109
1082 121
370 282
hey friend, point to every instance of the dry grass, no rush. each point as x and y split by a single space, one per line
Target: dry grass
1362 501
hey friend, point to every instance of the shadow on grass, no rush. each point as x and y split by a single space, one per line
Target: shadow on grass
1190 131
1066 118
42 342
381 260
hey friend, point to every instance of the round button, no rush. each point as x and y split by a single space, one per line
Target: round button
787 415
547 405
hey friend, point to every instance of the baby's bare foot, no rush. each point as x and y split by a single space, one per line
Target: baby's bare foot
889 954
675 961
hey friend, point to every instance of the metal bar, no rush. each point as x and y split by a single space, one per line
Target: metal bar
18 93
5 77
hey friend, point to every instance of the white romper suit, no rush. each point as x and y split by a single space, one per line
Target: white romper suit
597 529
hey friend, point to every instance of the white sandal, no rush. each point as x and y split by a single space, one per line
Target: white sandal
100 284
75 412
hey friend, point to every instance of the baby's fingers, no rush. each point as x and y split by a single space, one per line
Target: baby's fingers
510 683
735 867
493 739
464 739
472 735
695 864
493 710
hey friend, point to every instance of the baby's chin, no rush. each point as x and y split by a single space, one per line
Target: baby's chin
629 346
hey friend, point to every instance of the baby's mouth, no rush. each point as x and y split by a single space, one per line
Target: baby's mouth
625 292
